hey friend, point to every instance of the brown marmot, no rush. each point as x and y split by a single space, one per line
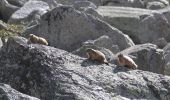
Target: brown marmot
35 39
96 55
126 61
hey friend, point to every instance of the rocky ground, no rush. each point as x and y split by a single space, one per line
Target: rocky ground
61 71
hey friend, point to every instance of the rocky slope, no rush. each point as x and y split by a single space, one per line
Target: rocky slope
50 74
61 71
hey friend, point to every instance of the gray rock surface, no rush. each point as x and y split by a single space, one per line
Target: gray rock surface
52 3
141 25
165 2
83 5
53 74
155 5
66 28
31 11
6 9
8 93
166 13
18 3
127 3
161 43
167 58
148 57
124 3
105 42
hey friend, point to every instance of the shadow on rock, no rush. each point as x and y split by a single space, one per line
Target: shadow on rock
88 62
120 69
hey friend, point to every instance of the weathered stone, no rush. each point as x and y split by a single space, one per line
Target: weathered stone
167 58
104 41
66 28
161 42
148 57
155 5
165 2
127 3
31 11
141 25
18 3
166 13
8 93
53 74
6 10
83 5
124 3
52 3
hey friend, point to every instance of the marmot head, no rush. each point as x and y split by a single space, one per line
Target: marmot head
120 55
89 50
32 35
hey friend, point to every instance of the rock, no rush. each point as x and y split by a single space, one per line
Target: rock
148 57
52 3
141 25
124 3
93 12
18 3
8 93
155 5
165 2
67 28
166 13
53 74
31 11
167 58
160 29
161 43
104 41
129 3
6 10
83 5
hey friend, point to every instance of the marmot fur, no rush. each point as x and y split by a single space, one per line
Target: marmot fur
126 61
39 40
96 55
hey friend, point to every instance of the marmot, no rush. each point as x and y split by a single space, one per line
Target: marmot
126 61
96 55
39 40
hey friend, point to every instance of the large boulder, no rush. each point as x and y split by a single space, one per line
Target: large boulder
8 93
166 13
147 56
66 28
6 9
103 42
141 25
31 11
53 74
